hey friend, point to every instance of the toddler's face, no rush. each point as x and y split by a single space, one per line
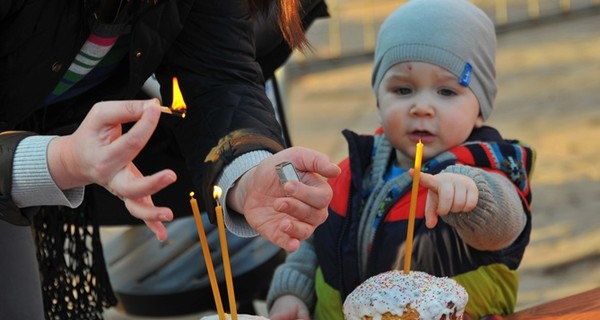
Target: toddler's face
418 100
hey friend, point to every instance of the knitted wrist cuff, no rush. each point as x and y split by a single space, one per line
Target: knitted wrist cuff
32 182
235 222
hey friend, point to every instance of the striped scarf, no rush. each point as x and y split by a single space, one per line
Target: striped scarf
382 187
94 62
92 52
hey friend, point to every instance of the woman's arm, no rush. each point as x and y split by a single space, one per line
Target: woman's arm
97 152
32 182
229 116
9 211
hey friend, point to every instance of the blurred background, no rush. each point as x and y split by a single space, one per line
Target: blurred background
548 72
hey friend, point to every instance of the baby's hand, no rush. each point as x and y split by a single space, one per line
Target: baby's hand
289 307
448 193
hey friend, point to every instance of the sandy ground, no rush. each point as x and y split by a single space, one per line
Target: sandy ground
549 97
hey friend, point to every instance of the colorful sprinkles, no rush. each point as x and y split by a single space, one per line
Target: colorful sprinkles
391 292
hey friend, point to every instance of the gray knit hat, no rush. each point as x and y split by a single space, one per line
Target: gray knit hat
453 34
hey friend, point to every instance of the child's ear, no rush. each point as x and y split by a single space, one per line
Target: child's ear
479 122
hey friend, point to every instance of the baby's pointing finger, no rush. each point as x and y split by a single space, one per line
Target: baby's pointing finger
426 180
431 217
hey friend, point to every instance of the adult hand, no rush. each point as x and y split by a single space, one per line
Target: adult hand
289 307
286 215
448 193
98 152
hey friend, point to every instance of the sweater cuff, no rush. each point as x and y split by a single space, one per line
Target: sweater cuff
496 221
234 221
32 182
291 281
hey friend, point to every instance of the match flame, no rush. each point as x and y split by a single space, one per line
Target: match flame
178 103
216 192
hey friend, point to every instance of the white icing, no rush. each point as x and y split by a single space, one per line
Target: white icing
391 291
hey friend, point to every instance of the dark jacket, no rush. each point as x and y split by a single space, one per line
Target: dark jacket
207 44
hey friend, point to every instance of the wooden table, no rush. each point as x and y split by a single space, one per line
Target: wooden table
581 306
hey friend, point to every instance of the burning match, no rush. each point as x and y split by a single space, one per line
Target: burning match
178 107
167 110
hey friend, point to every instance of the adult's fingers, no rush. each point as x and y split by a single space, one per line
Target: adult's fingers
146 185
126 147
158 228
301 222
316 194
108 113
144 209
308 160
282 237
307 217
154 217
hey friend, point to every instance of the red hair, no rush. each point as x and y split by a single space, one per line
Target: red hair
288 19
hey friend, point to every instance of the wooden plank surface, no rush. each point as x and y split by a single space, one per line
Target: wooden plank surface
582 306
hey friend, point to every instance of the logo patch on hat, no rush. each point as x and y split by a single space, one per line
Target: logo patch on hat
465 77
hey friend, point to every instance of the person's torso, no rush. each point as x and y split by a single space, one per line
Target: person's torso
347 258
40 41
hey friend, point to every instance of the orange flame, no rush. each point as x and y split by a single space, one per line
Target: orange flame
216 192
178 104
